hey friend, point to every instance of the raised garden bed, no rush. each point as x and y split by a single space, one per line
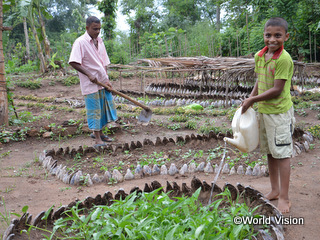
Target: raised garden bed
214 201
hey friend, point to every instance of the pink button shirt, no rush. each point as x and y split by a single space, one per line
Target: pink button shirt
94 60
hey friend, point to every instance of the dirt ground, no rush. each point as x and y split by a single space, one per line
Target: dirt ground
23 182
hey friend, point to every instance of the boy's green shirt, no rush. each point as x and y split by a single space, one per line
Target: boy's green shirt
280 66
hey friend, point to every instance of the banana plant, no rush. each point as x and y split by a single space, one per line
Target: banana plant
33 12
4 112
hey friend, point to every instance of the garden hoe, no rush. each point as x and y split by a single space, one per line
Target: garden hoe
146 112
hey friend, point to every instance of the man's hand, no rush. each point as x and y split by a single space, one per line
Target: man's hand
109 85
93 79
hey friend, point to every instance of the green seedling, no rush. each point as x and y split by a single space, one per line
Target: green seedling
137 217
174 127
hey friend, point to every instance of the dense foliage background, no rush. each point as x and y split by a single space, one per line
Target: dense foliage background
44 30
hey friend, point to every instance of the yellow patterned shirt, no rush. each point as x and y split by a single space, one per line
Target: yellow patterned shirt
280 66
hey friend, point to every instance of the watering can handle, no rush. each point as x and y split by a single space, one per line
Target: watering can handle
238 120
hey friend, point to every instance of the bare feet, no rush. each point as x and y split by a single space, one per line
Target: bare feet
284 205
272 196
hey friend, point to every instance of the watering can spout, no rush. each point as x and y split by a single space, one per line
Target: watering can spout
238 142
230 141
245 130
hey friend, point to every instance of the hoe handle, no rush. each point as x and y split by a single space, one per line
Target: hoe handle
125 96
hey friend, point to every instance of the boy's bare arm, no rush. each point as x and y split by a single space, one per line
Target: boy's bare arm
246 104
267 95
254 91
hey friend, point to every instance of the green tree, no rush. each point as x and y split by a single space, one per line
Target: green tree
182 13
143 16
68 14
108 8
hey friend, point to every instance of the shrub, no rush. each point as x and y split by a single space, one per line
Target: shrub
113 75
71 80
191 124
31 84
179 118
315 131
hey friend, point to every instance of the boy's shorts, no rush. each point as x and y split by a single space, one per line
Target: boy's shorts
276 134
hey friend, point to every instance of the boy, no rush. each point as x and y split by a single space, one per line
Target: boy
89 57
274 68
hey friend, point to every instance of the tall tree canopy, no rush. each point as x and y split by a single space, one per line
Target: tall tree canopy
108 8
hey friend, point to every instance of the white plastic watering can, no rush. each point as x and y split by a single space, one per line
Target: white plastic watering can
245 128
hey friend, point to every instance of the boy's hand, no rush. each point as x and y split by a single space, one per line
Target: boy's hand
248 102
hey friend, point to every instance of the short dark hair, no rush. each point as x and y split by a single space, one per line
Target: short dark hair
92 19
277 21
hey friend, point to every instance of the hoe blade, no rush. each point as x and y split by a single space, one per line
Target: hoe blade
145 116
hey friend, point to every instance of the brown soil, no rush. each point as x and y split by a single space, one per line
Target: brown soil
24 182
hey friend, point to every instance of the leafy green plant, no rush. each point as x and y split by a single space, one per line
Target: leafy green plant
35 98
155 216
31 227
6 136
207 128
180 143
192 154
52 62
113 75
164 111
107 131
174 126
104 168
31 84
71 80
179 118
191 124
158 158
215 153
219 112
315 131
301 112
12 66
2 155
6 215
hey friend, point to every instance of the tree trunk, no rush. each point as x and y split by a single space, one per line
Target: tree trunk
46 41
25 29
43 64
237 44
315 48
3 86
248 35
310 44
167 50
218 17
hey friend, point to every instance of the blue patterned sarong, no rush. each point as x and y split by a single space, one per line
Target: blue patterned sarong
100 109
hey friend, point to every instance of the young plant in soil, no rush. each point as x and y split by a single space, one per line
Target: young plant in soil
155 216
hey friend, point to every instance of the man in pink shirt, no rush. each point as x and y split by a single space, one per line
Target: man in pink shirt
89 57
